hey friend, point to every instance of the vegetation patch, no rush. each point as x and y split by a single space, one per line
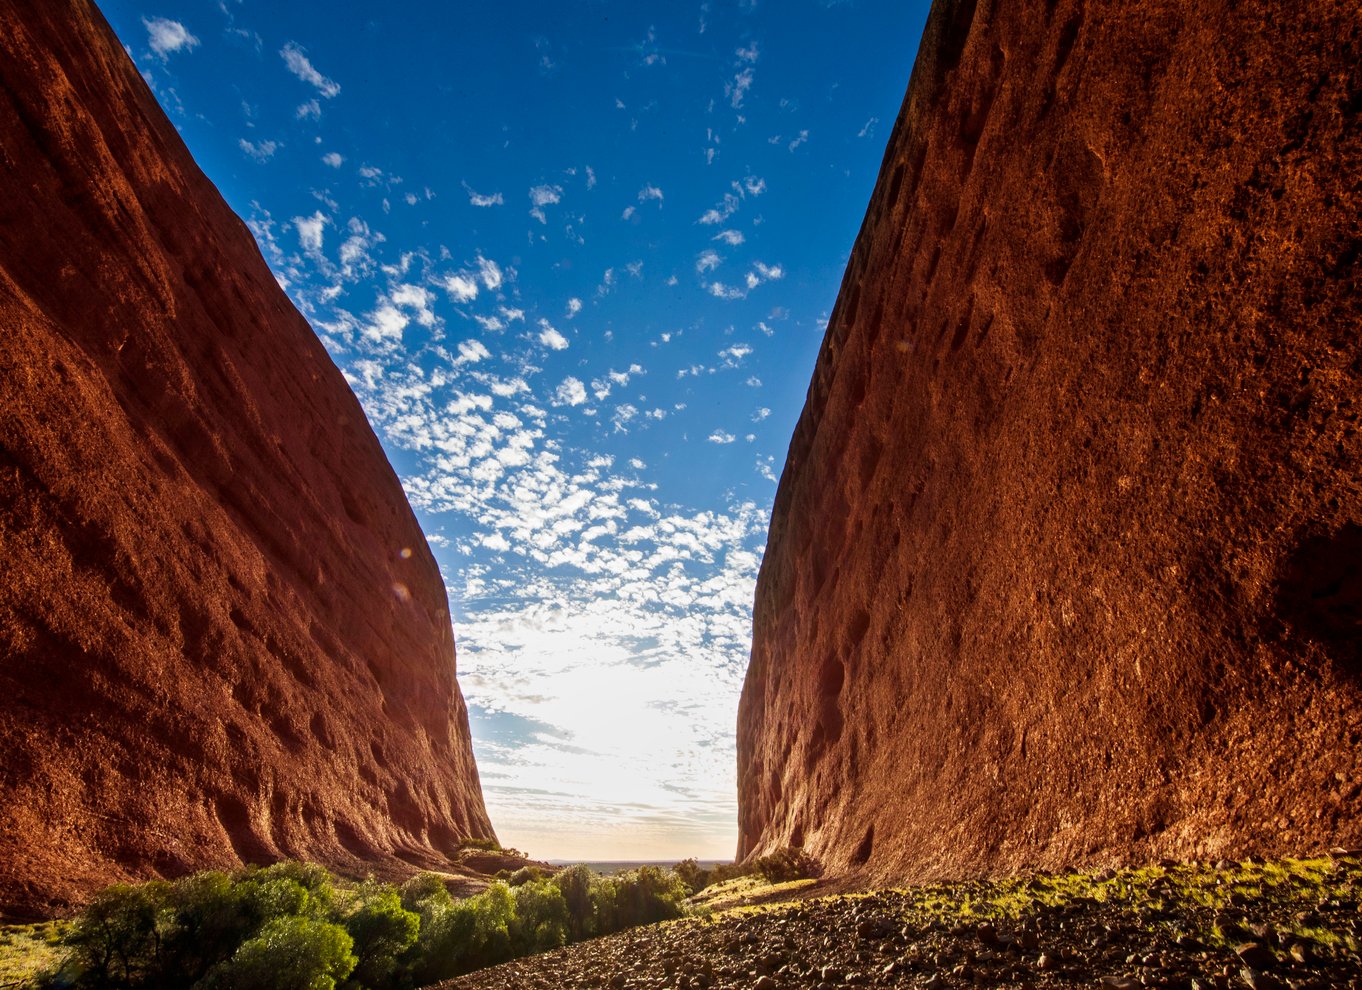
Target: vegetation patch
293 926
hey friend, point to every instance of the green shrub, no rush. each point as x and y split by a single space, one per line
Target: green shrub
288 954
541 920
425 891
525 874
382 931
576 884
486 845
644 896
286 926
116 941
787 864
692 874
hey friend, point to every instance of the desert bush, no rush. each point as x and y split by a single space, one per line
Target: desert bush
288 926
425 889
576 885
787 864
541 919
116 941
692 874
382 930
639 897
524 875
294 953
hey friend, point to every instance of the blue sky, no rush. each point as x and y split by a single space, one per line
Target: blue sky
576 260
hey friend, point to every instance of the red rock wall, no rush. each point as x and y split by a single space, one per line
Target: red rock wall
1066 562
222 635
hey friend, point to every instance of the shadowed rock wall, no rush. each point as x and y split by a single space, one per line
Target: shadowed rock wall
222 635
1066 561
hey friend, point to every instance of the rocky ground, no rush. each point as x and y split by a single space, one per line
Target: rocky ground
1283 924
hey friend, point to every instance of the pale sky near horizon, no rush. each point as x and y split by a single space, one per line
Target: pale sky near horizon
576 260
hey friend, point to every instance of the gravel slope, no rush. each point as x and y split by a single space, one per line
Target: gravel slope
1288 923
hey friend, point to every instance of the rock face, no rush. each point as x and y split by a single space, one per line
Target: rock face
1066 562
223 637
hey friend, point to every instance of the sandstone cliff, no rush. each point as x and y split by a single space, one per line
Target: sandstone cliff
222 635
1066 561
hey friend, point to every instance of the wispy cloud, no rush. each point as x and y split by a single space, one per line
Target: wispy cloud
478 199
261 151
736 91
298 63
542 196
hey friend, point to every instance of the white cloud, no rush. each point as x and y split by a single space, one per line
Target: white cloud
754 186
311 110
542 196
721 291
736 91
551 338
730 237
461 288
720 437
333 159
707 261
165 37
721 212
802 139
298 63
869 129
574 306
418 298
772 273
262 151
478 199
310 231
386 324
490 273
650 192
732 356
629 211
748 54
471 352
570 393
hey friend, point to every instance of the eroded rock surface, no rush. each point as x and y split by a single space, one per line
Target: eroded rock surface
1066 561
222 634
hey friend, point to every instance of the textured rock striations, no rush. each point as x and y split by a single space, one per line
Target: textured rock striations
222 635
1066 562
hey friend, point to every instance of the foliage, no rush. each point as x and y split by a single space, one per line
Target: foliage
486 845
292 926
541 918
290 953
787 864
382 930
525 875
422 888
